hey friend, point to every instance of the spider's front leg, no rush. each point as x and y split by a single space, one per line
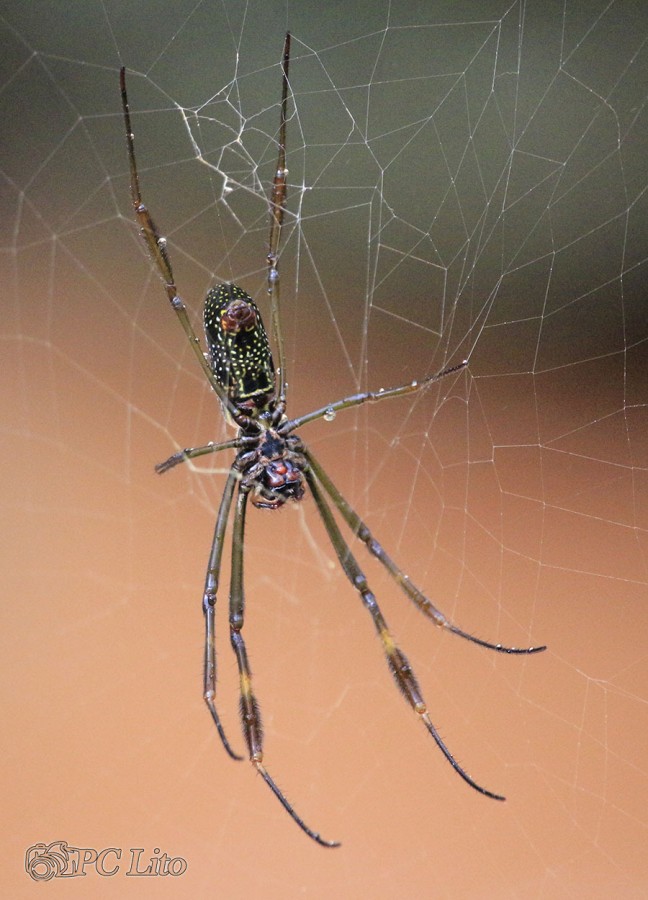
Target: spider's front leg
250 714
157 248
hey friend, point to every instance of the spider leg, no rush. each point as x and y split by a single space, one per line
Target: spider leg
209 606
369 397
157 248
277 207
250 713
398 663
192 452
362 532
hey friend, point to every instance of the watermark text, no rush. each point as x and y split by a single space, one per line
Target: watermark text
60 860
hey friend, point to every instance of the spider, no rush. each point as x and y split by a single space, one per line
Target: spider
273 466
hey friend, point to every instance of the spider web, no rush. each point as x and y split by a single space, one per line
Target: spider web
467 180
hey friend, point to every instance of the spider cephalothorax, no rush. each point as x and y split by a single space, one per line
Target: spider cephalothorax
273 465
273 469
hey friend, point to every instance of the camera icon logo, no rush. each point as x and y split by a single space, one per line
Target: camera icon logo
45 861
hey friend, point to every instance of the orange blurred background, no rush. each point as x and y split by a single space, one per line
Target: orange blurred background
514 493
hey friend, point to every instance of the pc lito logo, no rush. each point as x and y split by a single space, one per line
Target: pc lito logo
59 860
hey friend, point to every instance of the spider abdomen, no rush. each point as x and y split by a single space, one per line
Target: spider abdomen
239 349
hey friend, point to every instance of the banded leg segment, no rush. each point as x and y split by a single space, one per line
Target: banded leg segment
250 713
277 207
362 532
157 248
209 607
398 663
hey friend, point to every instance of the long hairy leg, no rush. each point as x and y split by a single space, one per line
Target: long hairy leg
209 606
277 207
250 713
158 249
397 661
363 533
370 397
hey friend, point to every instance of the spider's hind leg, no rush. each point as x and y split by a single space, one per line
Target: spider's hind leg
209 606
362 532
398 663
250 713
